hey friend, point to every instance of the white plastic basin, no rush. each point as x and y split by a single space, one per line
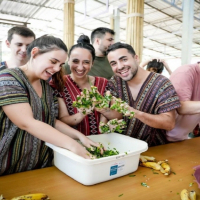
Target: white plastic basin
89 172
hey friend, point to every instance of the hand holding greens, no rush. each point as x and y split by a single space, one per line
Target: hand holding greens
90 99
113 125
121 107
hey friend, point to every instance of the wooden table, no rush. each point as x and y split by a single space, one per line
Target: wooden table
182 156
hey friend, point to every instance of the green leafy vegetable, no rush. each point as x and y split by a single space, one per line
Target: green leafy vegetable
89 99
154 172
96 151
144 184
132 175
121 107
191 184
113 125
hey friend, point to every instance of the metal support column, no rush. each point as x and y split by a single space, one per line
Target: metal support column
187 31
117 24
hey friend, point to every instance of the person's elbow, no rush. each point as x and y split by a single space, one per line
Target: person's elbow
170 122
170 125
26 125
180 111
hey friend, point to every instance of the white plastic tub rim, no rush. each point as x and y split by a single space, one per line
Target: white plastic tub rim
142 148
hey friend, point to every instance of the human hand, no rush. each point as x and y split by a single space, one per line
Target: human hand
102 110
100 102
89 143
85 111
81 151
130 112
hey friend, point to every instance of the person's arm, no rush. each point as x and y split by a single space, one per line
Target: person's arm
65 117
21 115
189 108
144 63
164 121
166 66
103 119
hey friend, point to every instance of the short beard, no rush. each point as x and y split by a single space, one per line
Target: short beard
133 73
102 50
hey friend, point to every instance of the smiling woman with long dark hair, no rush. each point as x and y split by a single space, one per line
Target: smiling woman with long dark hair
28 110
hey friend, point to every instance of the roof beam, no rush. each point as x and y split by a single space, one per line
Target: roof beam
6 13
173 4
11 21
165 29
35 4
160 52
144 36
39 7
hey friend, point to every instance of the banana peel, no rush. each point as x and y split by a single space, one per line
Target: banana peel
152 165
147 158
162 166
185 195
37 196
192 195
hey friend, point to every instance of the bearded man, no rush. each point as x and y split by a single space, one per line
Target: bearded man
150 96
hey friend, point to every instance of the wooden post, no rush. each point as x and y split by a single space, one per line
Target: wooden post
68 29
112 22
134 26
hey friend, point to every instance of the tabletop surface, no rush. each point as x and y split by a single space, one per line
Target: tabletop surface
182 157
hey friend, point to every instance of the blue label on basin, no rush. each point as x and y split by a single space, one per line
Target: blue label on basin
113 170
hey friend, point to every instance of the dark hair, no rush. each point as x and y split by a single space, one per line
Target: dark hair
158 66
119 45
100 32
84 43
46 44
20 30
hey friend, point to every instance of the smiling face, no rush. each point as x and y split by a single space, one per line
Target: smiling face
18 46
123 64
80 62
46 64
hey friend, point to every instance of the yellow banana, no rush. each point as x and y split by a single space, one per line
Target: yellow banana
184 195
192 195
37 196
146 158
152 165
165 168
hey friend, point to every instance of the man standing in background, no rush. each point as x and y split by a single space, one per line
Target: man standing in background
18 39
101 39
